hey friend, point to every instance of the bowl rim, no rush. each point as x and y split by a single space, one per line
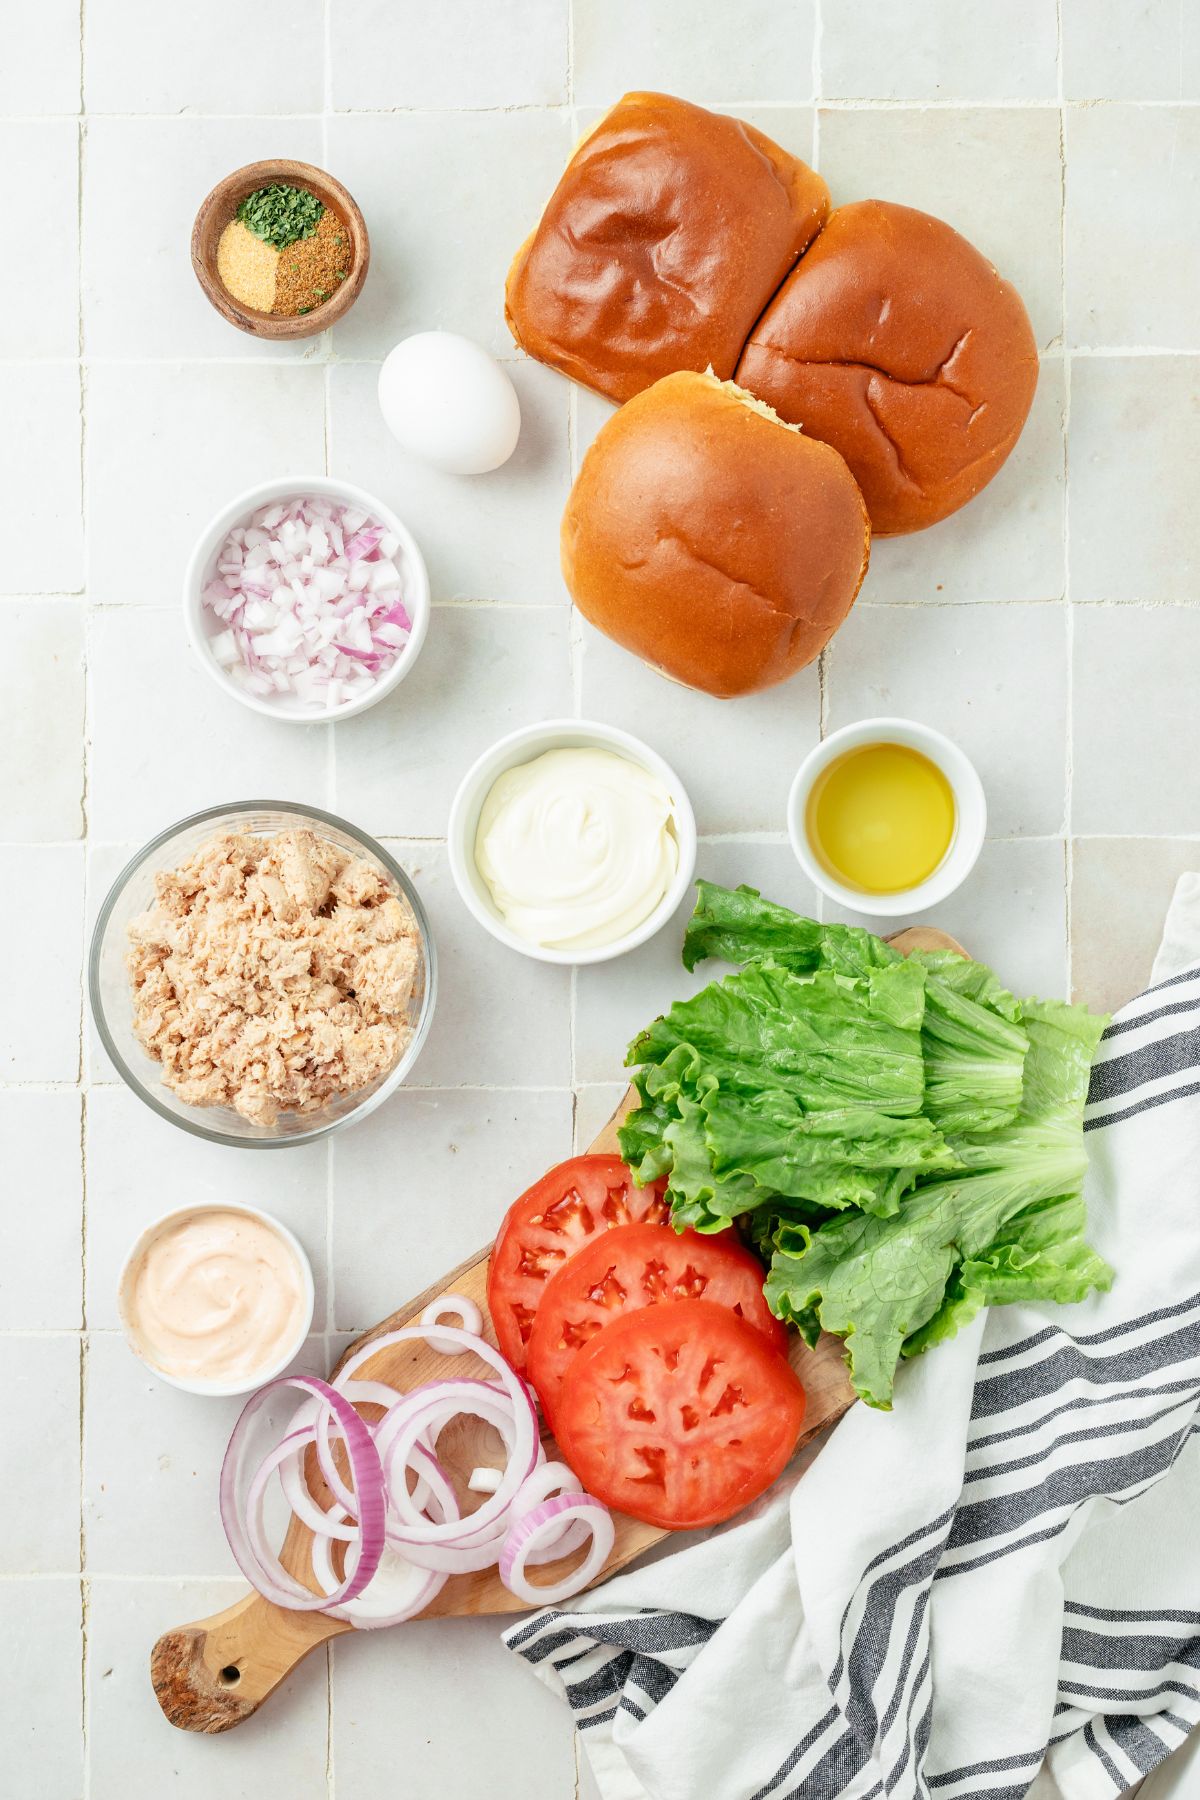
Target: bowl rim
970 802
220 1390
268 326
386 1088
502 755
224 521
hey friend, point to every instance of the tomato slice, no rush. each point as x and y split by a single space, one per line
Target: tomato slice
639 1265
553 1219
678 1414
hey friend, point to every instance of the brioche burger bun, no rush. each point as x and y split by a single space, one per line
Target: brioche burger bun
711 538
897 342
667 234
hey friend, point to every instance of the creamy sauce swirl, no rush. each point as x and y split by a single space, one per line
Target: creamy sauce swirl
577 847
215 1295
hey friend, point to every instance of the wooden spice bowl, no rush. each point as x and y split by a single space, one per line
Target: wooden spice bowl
219 208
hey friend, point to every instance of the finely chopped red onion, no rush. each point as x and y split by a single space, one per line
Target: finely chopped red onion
312 597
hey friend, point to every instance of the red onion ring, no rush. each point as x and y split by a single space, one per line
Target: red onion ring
261 1566
525 1536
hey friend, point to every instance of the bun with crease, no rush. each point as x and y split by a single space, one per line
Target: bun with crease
895 341
707 536
668 233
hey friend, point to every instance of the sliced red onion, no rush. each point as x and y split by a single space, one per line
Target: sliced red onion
312 605
469 1316
245 1530
399 1590
529 1533
402 1542
550 1478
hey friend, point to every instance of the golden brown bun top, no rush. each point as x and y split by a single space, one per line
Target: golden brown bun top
899 344
666 236
708 538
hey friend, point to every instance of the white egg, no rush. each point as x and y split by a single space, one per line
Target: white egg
450 403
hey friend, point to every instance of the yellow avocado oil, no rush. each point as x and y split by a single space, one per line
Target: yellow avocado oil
880 818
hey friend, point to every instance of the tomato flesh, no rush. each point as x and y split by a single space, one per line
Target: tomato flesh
679 1414
553 1219
635 1266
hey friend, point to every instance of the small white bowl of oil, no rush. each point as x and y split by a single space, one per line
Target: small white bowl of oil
887 817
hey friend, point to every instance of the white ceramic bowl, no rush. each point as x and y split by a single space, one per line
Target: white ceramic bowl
521 747
220 1389
970 809
203 625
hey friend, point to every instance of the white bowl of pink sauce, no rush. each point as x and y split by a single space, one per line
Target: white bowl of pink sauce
216 1299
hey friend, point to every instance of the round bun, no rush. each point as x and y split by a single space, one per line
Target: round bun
666 236
898 343
713 540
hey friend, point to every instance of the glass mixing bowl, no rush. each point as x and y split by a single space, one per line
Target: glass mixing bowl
111 995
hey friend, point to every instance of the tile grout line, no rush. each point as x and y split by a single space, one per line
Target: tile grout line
837 102
330 358
575 652
1068 872
85 838
331 792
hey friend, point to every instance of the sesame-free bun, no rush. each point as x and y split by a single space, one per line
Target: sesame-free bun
895 341
666 236
708 537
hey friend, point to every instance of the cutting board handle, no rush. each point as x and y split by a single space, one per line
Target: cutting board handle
211 1675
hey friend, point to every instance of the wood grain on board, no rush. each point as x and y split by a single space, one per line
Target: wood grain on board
210 1675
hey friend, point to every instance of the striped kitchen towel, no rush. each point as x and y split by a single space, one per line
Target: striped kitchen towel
991 1593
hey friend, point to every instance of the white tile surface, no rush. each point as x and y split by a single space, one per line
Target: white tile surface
41 919
140 293
509 551
39 478
224 57
1009 543
40 1380
41 1694
420 1184
104 864
198 434
44 78
128 1147
511 1740
514 1013
442 232
760 51
994 173
1130 50
1133 225
1131 489
41 1222
944 49
498 667
1010 912
135 1755
450 123
41 722
147 773
1136 725
614 1001
763 739
993 678
152 1460
40 316
519 53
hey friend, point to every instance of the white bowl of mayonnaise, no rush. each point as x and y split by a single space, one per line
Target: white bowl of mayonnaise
571 842
216 1299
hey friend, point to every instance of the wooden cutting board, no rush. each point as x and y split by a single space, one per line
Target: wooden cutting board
210 1675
